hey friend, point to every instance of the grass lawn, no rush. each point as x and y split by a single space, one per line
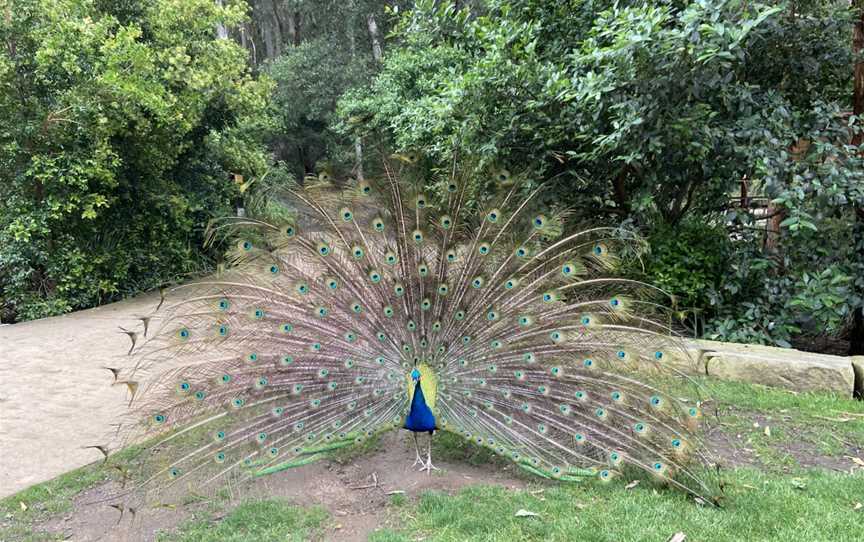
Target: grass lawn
797 480
815 506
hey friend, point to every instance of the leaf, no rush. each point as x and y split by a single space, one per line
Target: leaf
798 483
858 506
632 484
767 431
23 506
858 461
677 537
522 513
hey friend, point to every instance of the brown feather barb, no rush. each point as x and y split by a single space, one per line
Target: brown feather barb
540 352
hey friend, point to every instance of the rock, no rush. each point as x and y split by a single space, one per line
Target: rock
858 368
778 367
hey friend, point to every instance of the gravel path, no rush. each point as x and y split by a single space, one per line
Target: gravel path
55 395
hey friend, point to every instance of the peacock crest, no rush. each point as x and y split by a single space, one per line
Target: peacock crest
347 302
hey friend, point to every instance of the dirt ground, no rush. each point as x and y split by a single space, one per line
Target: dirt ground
355 493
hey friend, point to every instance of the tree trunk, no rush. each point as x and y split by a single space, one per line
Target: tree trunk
857 47
221 31
856 335
377 52
352 41
292 21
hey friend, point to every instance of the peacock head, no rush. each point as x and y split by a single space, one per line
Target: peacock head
415 375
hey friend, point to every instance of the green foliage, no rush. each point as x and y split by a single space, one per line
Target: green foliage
310 78
123 123
654 113
688 260
646 96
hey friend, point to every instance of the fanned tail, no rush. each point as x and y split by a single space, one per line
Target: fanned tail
540 352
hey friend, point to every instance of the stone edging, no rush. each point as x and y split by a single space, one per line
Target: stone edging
777 367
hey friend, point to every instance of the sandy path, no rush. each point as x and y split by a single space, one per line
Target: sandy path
55 397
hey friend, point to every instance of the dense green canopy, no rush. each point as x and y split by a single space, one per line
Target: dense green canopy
722 130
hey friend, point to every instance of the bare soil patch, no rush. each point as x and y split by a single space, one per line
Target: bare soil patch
356 493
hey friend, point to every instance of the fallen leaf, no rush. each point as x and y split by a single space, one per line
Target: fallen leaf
767 431
23 506
798 483
632 484
677 537
858 506
522 513
580 506
858 461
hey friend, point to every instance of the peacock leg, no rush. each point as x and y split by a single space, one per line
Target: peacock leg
428 466
417 450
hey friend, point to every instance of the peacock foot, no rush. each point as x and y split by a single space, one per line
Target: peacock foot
429 467
418 461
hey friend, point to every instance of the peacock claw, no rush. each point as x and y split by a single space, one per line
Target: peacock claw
417 460
428 467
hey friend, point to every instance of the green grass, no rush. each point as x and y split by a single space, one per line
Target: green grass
816 507
254 521
812 423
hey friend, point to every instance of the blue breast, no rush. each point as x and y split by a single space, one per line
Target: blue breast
420 418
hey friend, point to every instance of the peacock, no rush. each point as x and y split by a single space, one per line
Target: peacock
425 300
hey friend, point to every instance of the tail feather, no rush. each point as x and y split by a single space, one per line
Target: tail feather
539 351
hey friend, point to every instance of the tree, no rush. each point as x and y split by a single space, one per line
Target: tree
677 117
124 122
